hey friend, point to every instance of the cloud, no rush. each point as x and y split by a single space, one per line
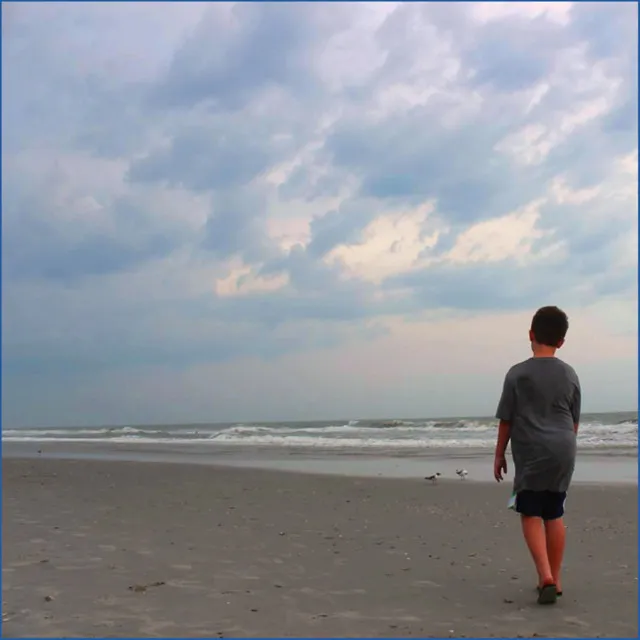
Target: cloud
70 216
204 183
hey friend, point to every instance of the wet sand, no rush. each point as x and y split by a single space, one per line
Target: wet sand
599 466
123 549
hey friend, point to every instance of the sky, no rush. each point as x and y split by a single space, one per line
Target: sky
245 212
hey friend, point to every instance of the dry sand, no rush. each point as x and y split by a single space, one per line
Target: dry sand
123 549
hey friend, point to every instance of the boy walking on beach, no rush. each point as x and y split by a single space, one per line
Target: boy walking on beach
539 412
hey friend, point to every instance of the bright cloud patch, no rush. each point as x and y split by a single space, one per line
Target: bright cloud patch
556 11
510 236
241 281
392 244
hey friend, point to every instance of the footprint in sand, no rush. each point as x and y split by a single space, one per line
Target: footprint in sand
426 583
576 622
190 585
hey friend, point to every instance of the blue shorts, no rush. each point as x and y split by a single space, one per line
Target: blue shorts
548 505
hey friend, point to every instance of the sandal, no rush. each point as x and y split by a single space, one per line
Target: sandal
558 593
547 594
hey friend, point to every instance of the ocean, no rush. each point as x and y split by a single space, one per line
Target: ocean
598 432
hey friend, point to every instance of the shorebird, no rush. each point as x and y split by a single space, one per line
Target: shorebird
462 473
433 478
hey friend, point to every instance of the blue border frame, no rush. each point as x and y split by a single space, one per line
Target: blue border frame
1 158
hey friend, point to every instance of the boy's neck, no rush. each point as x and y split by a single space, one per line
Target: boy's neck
543 351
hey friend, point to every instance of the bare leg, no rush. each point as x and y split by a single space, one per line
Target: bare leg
534 535
555 534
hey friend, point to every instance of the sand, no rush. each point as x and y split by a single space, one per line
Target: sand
121 549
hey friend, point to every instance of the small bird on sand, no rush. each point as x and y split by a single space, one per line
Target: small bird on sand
433 478
462 473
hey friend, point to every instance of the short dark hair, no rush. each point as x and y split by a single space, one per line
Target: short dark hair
550 326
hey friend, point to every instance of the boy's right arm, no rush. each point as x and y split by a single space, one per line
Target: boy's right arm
500 461
504 413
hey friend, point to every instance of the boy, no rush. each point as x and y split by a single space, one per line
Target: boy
539 412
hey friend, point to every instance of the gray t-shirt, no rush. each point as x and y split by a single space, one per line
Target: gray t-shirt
541 399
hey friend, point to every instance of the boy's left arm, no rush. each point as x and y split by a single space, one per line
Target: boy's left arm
576 406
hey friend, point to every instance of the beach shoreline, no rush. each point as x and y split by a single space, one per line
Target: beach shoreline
122 549
614 466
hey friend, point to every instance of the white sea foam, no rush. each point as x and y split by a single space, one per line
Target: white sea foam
353 435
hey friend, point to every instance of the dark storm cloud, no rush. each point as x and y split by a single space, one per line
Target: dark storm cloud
235 55
41 240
